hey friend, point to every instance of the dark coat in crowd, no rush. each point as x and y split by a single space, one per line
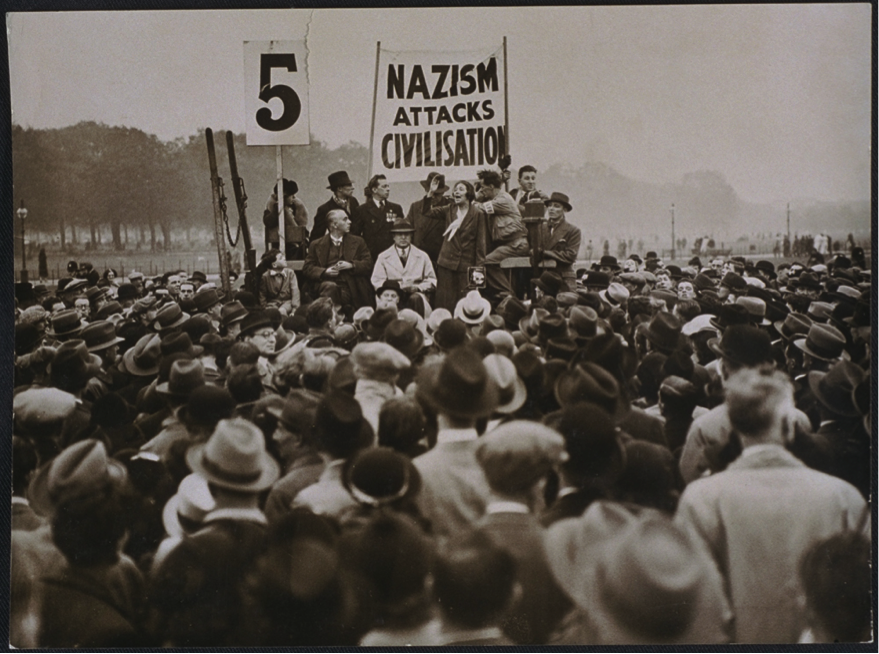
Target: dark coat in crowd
374 225
354 283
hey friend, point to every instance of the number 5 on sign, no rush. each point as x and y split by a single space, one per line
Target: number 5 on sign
276 93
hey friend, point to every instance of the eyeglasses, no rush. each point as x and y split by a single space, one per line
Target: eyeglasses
266 333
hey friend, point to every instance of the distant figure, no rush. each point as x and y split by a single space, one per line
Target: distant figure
43 265
295 221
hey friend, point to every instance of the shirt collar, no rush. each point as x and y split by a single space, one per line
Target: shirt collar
506 507
251 515
456 435
378 201
336 241
751 450
16 499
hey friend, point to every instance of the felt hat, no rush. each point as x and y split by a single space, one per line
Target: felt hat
235 457
664 331
583 322
185 376
834 388
599 558
701 323
73 361
390 285
417 320
512 310
503 342
806 280
549 282
198 276
100 335
127 291
180 342
297 411
566 299
112 310
402 226
232 312
339 421
734 282
403 336
511 389
564 348
75 286
80 471
756 309
492 322
187 508
517 454
378 476
607 261
472 309
253 322
561 198
27 337
362 316
615 294
169 317
702 282
425 183
346 335
589 382
766 267
743 344
450 334
142 360
596 280
66 324
793 326
820 311
551 325
529 325
823 342
731 314
205 299
338 179
378 322
207 404
458 385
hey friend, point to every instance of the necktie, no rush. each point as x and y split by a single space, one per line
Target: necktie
404 256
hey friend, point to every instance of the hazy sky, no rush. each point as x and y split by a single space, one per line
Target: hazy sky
775 97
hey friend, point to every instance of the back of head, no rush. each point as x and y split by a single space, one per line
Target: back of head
401 424
756 402
319 313
835 574
474 581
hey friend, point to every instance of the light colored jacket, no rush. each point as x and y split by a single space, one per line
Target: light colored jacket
417 272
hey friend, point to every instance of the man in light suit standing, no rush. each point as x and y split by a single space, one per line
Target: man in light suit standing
760 515
404 263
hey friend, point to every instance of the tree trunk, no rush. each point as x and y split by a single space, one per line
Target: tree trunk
166 235
63 234
73 233
152 237
117 236
125 230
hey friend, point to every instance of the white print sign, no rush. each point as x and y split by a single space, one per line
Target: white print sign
276 93
439 110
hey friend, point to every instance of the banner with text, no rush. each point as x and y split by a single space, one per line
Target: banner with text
440 111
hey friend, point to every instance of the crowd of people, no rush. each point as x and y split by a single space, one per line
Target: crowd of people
396 445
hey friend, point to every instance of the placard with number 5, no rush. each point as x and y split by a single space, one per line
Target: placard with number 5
276 93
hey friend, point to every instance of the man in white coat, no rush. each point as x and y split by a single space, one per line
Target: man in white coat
405 263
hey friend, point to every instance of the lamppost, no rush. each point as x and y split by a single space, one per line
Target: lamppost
22 214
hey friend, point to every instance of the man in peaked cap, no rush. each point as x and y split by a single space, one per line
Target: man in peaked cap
460 390
516 459
560 239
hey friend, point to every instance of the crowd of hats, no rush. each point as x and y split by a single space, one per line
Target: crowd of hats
132 389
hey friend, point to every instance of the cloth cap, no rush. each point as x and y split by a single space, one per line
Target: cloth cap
517 454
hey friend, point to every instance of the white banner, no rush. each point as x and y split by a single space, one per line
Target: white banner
439 111
276 93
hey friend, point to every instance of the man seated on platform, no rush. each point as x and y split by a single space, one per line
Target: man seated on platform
508 235
405 263
342 258
560 240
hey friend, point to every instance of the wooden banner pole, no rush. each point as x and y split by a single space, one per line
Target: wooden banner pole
378 49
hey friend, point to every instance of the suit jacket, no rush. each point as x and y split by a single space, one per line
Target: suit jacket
641 426
279 290
543 603
320 217
428 233
418 270
454 491
757 518
563 245
374 225
355 281
571 505
469 244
